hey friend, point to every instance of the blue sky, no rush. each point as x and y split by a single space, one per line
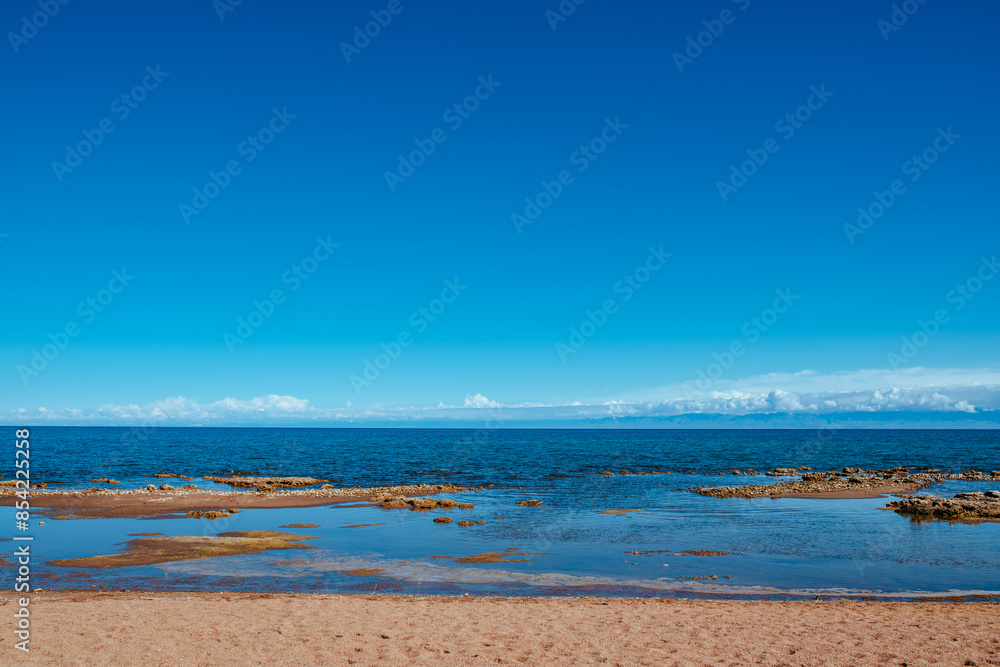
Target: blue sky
590 117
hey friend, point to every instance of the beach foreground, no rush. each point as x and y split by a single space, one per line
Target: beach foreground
126 628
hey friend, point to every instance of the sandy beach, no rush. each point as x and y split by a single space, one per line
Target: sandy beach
125 628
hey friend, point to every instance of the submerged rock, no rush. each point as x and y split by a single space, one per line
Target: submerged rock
529 503
442 519
971 506
492 557
505 556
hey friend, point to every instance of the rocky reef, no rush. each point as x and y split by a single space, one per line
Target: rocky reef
634 472
971 506
395 501
846 482
212 514
974 476
264 483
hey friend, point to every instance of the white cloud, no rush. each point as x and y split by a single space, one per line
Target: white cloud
178 408
480 401
955 398
810 381
806 394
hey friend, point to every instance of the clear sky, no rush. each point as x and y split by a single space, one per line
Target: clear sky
507 167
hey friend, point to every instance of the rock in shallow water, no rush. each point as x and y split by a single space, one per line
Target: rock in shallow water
891 480
963 507
392 501
210 514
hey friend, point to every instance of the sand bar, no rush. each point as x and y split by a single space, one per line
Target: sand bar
134 503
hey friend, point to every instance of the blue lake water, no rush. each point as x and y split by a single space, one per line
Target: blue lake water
784 546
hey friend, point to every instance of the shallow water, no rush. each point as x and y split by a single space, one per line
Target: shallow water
785 547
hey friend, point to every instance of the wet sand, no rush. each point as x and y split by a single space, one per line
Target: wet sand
88 628
154 504
138 503
164 549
